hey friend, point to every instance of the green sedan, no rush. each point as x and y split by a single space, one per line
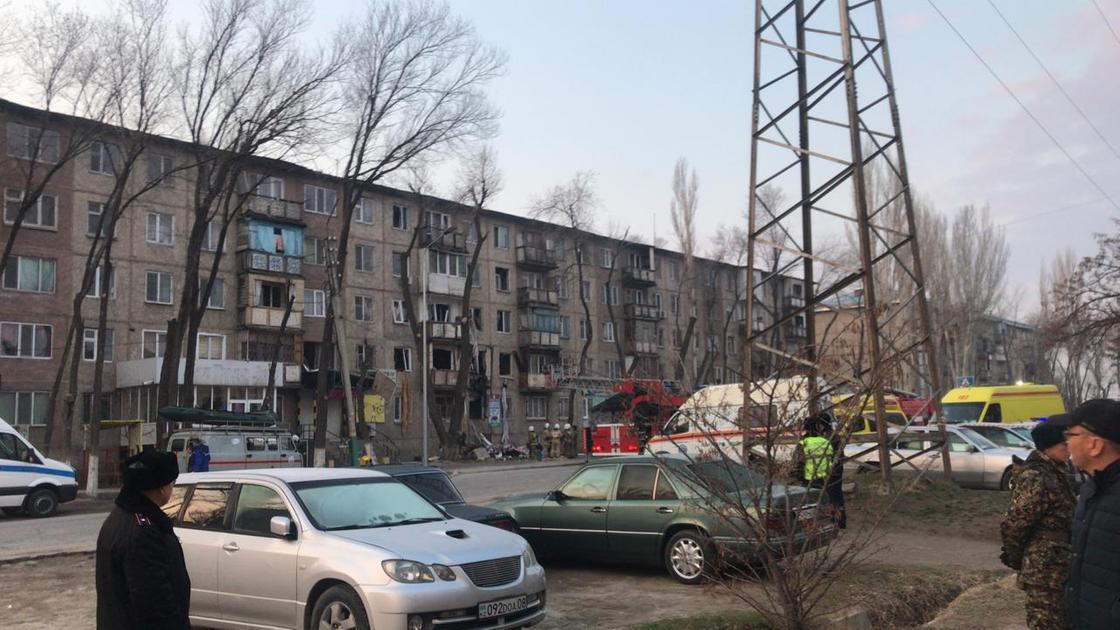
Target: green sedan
683 515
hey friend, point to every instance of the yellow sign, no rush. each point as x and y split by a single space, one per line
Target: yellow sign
374 408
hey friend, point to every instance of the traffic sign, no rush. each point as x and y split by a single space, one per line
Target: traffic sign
966 381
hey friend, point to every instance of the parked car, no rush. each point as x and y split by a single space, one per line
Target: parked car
436 486
977 462
31 482
1006 435
344 548
664 511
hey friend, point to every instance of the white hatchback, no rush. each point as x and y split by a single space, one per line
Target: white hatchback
345 548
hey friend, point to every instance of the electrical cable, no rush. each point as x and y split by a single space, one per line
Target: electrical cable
1107 24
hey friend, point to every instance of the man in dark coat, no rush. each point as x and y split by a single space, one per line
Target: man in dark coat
1036 528
1092 595
142 581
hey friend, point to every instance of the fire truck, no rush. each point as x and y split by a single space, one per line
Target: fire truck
632 413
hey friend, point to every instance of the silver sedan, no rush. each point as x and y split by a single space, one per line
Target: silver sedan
345 548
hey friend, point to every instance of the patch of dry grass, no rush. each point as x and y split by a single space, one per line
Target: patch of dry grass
932 506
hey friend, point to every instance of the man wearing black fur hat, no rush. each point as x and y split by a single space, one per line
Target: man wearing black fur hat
142 580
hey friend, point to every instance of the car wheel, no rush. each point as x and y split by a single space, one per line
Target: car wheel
40 503
12 511
689 557
1005 481
339 608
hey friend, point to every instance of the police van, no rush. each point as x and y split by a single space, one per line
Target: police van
29 481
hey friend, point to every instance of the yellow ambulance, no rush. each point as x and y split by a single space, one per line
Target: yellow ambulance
843 408
1001 403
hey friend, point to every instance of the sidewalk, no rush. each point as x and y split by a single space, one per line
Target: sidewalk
496 465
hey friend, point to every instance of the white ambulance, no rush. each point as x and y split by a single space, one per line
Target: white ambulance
29 481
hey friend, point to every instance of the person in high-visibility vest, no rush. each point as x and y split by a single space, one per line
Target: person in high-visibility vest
815 455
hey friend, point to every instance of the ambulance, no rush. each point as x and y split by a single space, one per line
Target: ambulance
29 481
1002 403
843 410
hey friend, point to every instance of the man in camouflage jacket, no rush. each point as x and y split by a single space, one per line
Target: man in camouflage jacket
1036 528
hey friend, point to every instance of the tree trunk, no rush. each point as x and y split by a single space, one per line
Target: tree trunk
463 378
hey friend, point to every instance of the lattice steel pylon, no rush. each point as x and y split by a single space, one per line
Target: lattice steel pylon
840 149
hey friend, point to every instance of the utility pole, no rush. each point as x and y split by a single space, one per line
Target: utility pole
343 347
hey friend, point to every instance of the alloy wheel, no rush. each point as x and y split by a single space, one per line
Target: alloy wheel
687 558
337 616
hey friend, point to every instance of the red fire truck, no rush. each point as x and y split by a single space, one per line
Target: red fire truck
632 413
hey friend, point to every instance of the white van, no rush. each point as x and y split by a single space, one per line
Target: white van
707 424
237 447
29 481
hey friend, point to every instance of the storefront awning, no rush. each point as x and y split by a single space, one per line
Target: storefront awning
207 416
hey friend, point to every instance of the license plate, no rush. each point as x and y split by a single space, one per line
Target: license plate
503 607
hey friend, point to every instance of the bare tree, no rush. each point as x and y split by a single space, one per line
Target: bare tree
412 86
573 205
682 210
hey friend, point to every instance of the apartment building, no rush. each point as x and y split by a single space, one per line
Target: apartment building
526 322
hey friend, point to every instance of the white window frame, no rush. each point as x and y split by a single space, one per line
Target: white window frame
365 258
536 407
99 206
219 289
314 250
404 261
89 344
160 347
15 195
606 258
498 285
164 166
95 286
259 293
36 399
508 318
400 315
439 220
318 298
213 235
159 275
400 218
155 237
608 332
583 328
210 339
398 410
363 308
15 262
406 353
319 200
272 187
101 158
364 211
501 237
34 336
47 139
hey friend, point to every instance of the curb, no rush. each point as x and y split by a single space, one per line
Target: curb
455 470
47 556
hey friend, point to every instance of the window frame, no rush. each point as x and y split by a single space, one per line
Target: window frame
363 308
159 216
170 287
320 199
508 320
16 261
365 205
365 258
398 309
158 335
34 336
210 338
400 218
36 208
110 338
319 297
501 237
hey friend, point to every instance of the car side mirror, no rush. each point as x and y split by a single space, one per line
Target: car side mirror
557 496
282 527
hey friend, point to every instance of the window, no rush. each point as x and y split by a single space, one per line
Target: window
664 490
211 346
160 228
400 218
27 273
565 326
613 369
160 168
674 270
94 212
363 308
89 344
207 507
609 294
363 210
28 408
562 410
476 317
95 286
505 364
591 484
363 258
155 343
729 345
438 220
400 315
585 290
536 408
158 287
402 359
213 236
271 187
476 277
608 331
256 506
447 264
636 483
400 264
314 303
315 252
270 294
583 328
504 322
606 258
318 200
398 409
32 143
562 288
40 214
501 278
25 341
217 298
104 158
501 237
675 304
993 414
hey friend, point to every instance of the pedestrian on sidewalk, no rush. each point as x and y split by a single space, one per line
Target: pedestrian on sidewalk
141 576
1036 528
1093 587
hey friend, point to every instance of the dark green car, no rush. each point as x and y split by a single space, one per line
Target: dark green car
667 511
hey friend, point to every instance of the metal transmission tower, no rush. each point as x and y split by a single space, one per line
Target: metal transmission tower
838 153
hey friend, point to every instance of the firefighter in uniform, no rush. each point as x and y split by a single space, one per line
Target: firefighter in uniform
571 450
1036 529
534 444
555 444
141 576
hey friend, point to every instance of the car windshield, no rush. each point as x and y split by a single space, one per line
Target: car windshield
980 441
718 475
339 504
435 487
1024 433
956 413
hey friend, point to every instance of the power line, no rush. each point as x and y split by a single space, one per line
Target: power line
1053 211
1024 107
1054 80
1107 24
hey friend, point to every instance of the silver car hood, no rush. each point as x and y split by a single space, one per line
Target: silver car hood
431 543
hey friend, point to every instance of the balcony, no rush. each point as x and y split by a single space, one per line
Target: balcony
640 347
793 302
446 285
638 277
528 296
539 339
534 257
268 317
444 331
274 208
794 331
537 383
273 263
443 379
443 240
643 311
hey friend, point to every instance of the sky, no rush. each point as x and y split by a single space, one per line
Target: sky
625 88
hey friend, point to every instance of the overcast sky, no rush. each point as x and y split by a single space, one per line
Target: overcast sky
624 88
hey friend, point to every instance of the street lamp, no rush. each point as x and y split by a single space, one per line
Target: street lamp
432 240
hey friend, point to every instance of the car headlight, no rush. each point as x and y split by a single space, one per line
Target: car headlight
527 558
408 571
443 572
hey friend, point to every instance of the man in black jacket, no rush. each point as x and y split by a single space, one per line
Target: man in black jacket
142 581
1093 586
